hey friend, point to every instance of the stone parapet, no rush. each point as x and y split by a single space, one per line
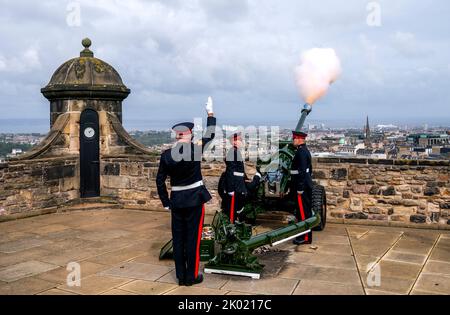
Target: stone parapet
387 192
381 192
32 186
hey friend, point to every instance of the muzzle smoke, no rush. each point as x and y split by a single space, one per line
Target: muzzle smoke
318 69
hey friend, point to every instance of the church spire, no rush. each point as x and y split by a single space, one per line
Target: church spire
367 132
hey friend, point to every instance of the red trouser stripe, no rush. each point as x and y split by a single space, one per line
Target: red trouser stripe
232 209
199 238
302 212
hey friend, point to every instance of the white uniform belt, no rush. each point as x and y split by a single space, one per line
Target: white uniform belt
238 174
297 172
183 188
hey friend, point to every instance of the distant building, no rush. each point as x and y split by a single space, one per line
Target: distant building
429 140
445 152
379 154
14 153
364 152
387 127
393 152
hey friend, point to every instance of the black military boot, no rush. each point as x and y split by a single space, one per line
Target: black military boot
196 281
301 241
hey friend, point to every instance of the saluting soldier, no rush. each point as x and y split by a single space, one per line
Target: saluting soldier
301 183
237 186
182 164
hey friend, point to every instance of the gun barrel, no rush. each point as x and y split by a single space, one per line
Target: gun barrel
305 112
283 234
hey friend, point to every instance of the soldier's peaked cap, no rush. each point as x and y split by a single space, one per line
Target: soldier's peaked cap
299 134
236 135
183 127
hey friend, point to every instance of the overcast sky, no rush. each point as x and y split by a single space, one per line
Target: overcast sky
172 54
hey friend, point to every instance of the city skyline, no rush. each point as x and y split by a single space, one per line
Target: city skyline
41 125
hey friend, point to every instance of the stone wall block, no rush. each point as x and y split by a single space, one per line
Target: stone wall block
111 169
140 183
119 182
339 174
132 169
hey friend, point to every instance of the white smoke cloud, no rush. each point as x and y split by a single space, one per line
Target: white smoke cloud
318 69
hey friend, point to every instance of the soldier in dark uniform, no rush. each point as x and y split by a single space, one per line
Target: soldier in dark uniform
301 183
237 186
182 164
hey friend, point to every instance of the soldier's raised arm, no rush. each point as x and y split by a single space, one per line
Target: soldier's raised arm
210 133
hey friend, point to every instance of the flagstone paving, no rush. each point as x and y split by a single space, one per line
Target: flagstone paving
118 250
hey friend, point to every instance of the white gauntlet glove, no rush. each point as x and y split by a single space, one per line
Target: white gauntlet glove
210 106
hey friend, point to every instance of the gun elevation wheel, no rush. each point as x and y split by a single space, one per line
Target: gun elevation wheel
319 205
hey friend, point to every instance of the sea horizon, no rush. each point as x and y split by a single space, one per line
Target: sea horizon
42 126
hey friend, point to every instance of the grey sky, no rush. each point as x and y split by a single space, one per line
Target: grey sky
172 54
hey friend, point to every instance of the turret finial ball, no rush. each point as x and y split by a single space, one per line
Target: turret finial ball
86 43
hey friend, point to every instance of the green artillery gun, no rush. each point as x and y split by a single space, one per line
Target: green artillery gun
236 245
272 195
228 248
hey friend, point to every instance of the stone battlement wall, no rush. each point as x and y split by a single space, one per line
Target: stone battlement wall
34 187
385 192
131 180
388 192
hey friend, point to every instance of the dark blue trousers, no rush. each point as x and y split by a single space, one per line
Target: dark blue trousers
187 227
233 204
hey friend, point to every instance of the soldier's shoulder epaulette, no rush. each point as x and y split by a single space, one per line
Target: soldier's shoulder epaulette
165 152
303 151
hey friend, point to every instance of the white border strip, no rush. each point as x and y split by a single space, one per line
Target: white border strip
255 276
290 238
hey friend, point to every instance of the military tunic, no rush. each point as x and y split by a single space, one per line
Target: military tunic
301 181
236 187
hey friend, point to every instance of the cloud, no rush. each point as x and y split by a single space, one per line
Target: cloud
2 63
370 49
225 10
407 45
27 61
174 53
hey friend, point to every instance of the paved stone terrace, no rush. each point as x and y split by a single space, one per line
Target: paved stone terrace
118 252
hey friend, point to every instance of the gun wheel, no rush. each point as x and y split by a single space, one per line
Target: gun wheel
319 205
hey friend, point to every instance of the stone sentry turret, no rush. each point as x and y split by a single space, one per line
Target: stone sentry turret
87 152
85 82
80 84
